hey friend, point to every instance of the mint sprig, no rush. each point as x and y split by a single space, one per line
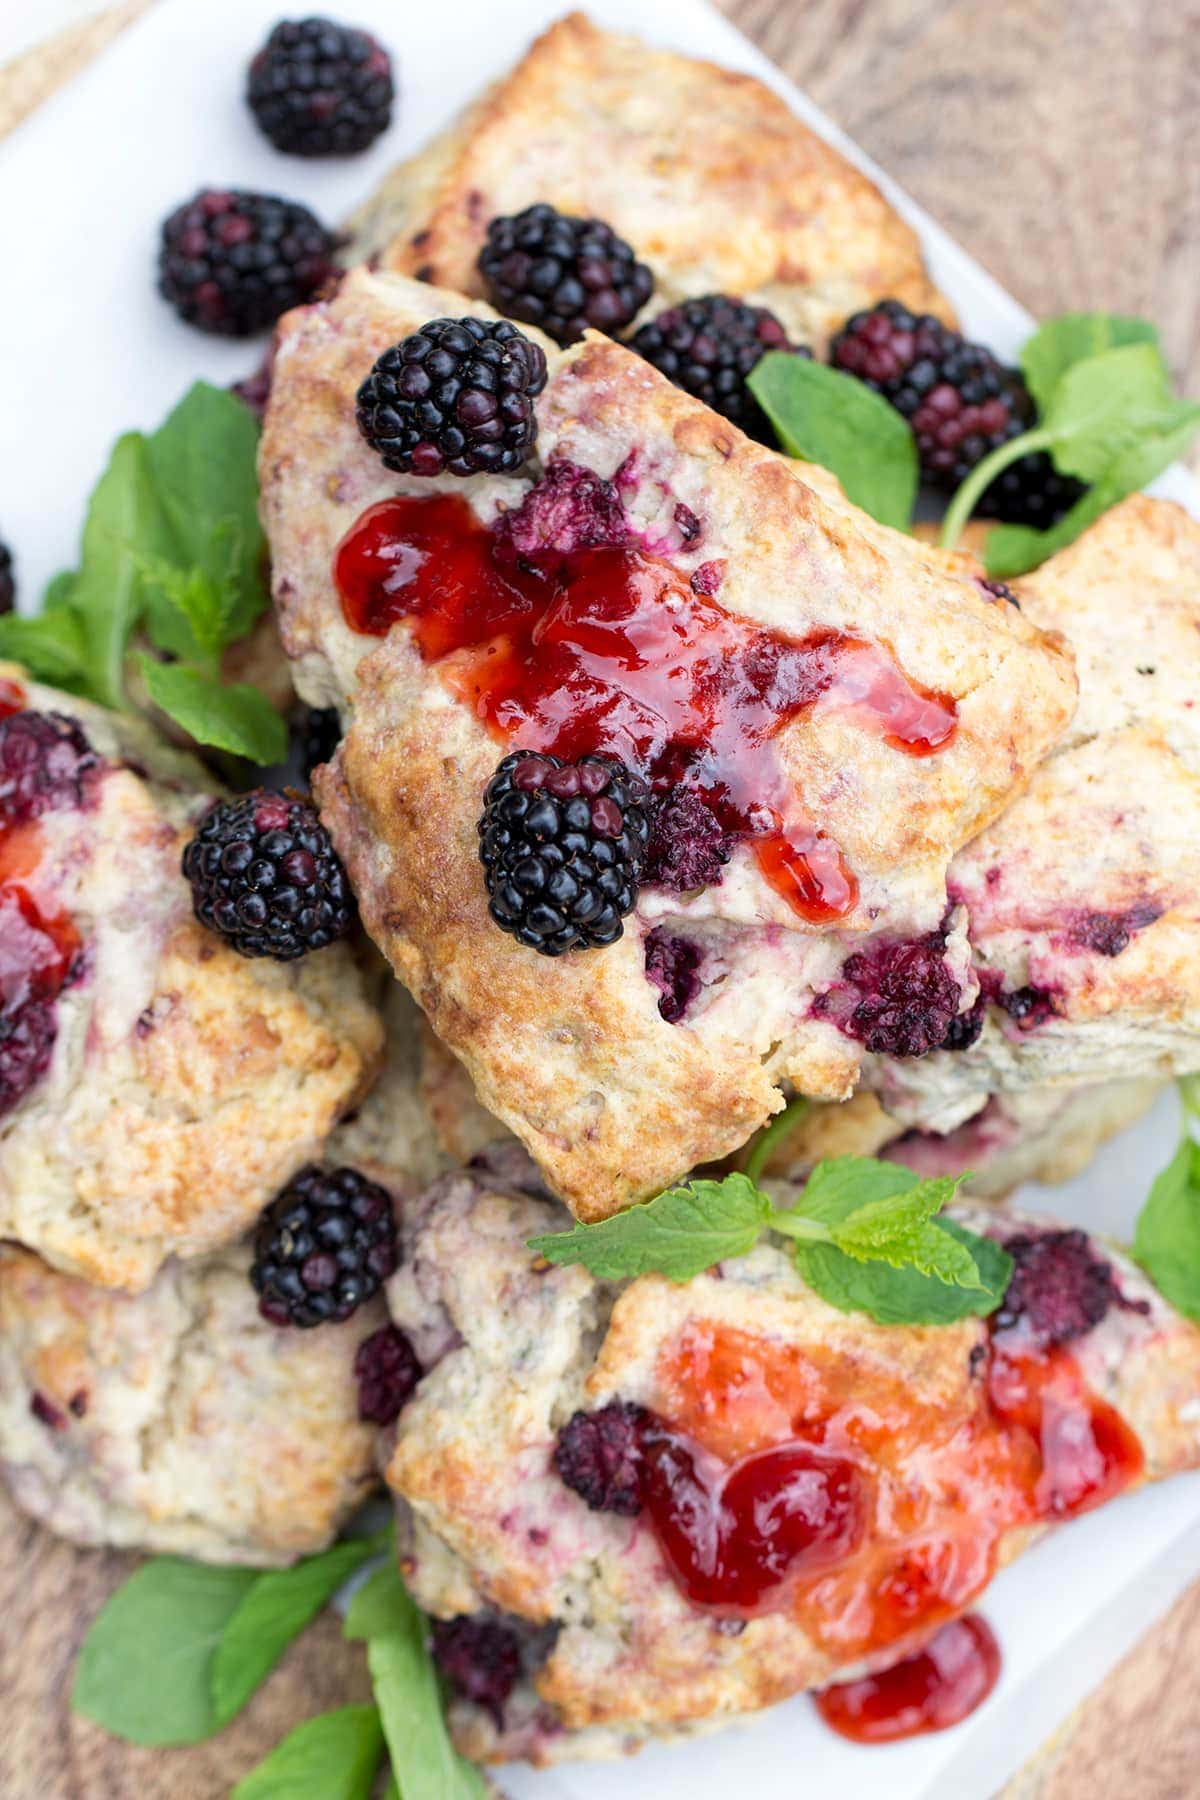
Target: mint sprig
1107 417
335 1756
171 553
827 417
1166 1240
861 1230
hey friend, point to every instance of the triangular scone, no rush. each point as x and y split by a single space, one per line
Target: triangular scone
711 177
964 1442
576 1055
1084 898
178 1084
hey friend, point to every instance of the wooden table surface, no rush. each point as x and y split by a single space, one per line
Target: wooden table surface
1058 144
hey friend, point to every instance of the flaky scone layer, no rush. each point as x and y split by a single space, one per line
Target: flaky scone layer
711 177
573 1055
187 1083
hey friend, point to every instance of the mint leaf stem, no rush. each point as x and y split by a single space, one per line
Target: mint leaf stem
793 1224
982 476
772 1135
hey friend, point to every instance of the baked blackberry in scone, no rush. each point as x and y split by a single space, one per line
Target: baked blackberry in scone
566 1433
182 1419
1083 898
747 201
155 1088
824 710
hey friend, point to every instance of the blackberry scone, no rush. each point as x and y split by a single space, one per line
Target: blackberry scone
799 716
640 1510
156 1088
747 201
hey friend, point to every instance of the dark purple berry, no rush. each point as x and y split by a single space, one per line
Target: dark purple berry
455 397
1029 1006
266 878
8 580
231 261
27 1035
480 1656
570 508
599 1456
316 732
687 847
672 966
323 1247
1060 1288
387 1372
561 846
563 274
961 402
709 346
907 997
318 88
965 1028
46 765
1108 934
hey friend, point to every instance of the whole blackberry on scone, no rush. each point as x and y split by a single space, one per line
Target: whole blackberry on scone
455 397
323 1247
563 274
562 847
318 88
961 402
708 347
265 877
231 261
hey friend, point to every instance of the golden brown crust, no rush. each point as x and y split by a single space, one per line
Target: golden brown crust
713 179
187 1083
574 1056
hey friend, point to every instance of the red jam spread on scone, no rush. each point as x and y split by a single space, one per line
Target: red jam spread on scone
604 649
929 1691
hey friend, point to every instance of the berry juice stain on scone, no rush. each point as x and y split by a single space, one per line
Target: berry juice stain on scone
608 651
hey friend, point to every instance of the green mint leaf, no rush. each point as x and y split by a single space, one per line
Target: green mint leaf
906 1296
1015 549
827 417
842 1185
1105 407
195 600
272 1613
106 595
143 1672
1071 338
1189 1094
897 1230
679 1234
1166 1240
50 645
59 589
202 460
764 1145
235 718
336 1756
425 1764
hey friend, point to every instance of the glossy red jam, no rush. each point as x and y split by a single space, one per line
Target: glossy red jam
608 650
830 1486
929 1691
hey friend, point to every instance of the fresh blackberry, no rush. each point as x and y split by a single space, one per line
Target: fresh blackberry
961 402
266 878
563 274
562 847
318 88
599 1457
323 1247
8 580
455 397
480 1656
709 346
46 765
387 1372
231 262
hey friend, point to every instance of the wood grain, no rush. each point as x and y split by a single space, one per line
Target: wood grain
1055 142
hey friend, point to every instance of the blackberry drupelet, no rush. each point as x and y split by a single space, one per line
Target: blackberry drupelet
387 1372
231 261
961 403
563 274
599 1457
46 765
323 1247
318 88
562 847
265 877
455 397
709 346
480 1656
687 847
8 580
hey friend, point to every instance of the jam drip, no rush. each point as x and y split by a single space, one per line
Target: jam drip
605 649
929 1691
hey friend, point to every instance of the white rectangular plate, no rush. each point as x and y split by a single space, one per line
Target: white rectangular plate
89 350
